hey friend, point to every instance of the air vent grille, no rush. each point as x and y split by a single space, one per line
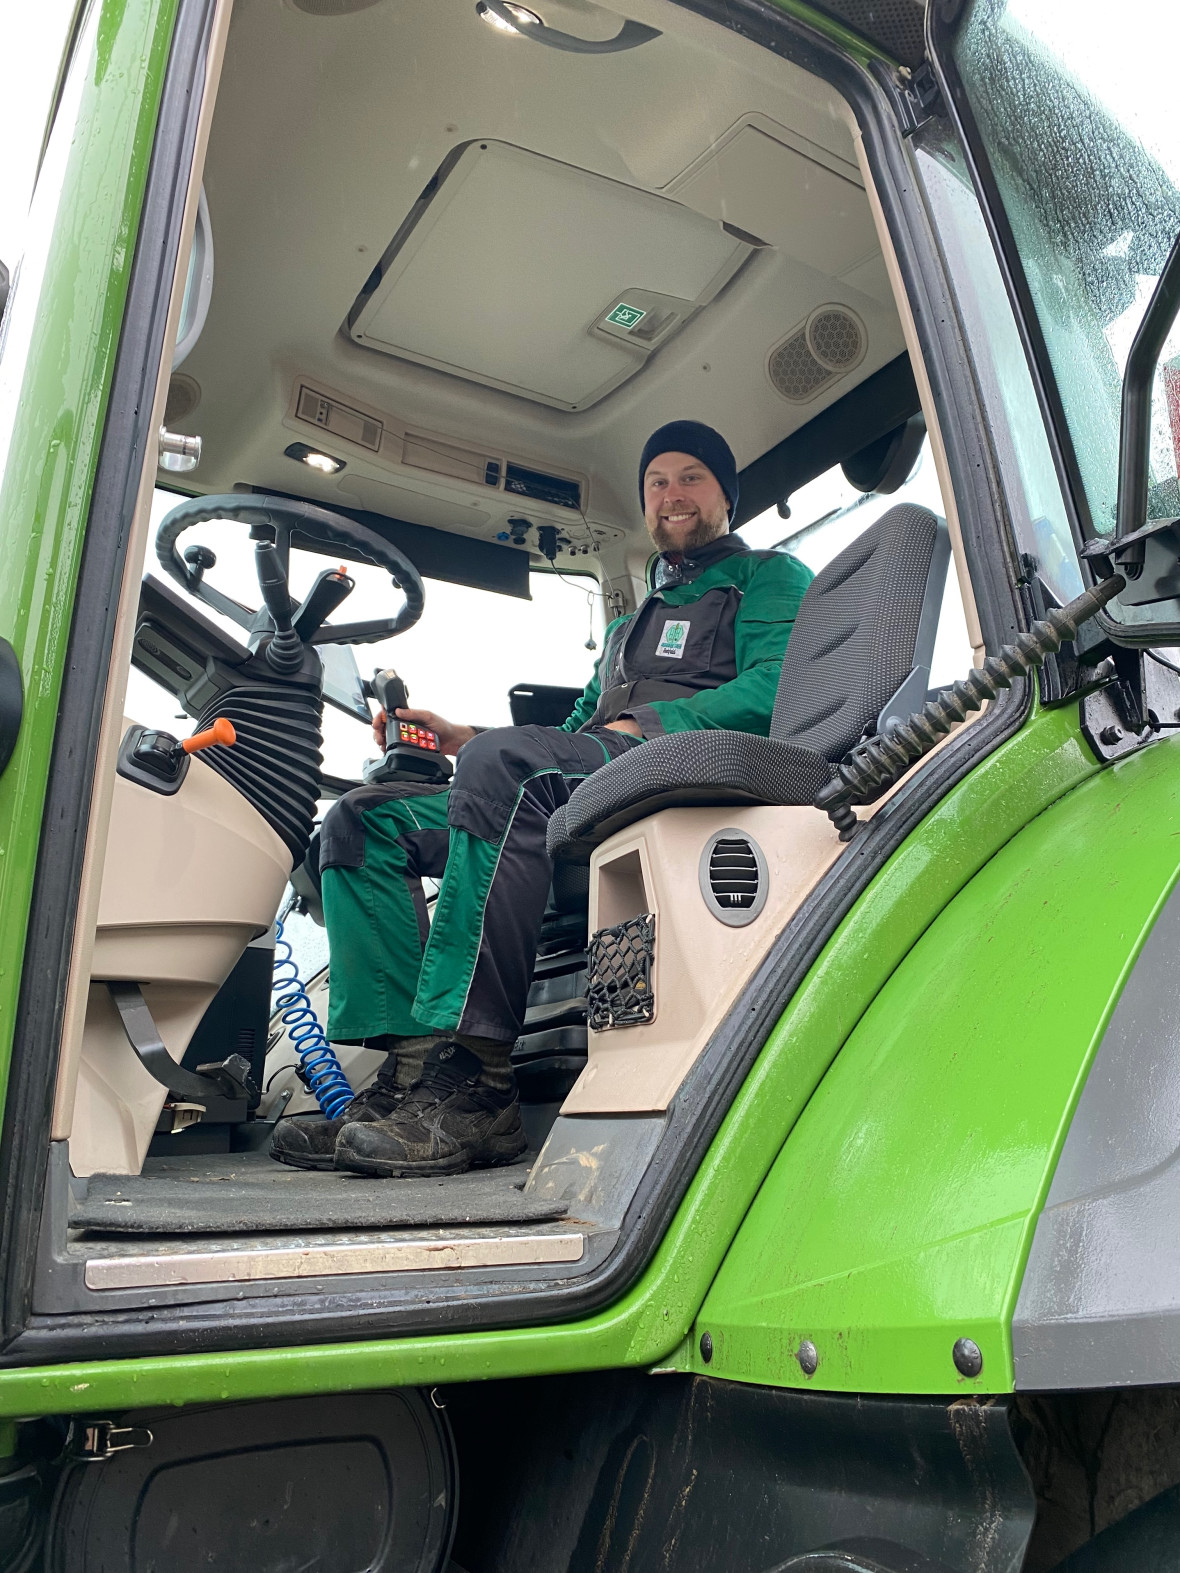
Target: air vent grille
828 345
317 409
733 874
734 877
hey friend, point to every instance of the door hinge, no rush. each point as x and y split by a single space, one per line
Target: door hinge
1141 702
917 97
93 1440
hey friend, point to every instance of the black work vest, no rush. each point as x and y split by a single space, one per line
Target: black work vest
671 652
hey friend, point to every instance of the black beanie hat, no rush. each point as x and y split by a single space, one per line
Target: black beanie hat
703 443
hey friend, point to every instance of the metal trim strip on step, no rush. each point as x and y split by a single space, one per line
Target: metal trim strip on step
321 1261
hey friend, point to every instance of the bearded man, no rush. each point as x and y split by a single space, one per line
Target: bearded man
446 1000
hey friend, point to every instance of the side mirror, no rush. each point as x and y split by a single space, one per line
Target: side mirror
1147 554
886 465
5 284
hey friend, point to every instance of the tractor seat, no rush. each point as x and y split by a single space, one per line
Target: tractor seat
859 655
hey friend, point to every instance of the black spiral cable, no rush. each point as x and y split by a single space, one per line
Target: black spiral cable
875 764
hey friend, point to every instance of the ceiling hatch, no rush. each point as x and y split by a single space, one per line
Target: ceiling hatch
530 275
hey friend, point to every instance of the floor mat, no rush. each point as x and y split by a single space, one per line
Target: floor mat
229 1193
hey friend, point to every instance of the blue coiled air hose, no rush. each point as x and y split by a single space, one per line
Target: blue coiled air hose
317 1058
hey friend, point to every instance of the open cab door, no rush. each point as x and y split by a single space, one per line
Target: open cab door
1073 154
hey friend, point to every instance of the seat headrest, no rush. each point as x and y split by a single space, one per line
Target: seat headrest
865 627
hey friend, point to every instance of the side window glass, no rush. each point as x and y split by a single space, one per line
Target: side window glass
35 39
1017 429
1074 105
829 513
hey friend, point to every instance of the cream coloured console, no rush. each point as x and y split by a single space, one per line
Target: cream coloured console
189 880
701 960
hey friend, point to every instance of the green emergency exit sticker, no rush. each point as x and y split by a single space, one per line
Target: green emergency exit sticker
625 316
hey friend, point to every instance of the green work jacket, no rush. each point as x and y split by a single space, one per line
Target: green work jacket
701 653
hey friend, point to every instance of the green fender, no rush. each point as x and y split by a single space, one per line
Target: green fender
899 1214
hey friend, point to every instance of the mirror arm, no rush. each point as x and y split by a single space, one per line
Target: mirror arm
234 610
1135 416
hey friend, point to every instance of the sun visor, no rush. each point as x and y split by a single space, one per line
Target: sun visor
526 274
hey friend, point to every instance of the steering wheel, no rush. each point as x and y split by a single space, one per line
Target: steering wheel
274 522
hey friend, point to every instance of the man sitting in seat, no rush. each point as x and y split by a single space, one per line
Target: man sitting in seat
447 1000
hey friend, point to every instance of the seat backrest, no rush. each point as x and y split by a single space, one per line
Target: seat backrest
863 639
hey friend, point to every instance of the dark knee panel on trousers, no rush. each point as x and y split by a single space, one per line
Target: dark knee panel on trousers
492 768
342 834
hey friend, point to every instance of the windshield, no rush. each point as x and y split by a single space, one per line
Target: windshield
1074 104
460 660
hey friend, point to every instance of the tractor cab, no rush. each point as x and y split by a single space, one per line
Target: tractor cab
416 355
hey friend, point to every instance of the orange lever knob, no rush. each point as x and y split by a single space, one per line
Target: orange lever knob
222 731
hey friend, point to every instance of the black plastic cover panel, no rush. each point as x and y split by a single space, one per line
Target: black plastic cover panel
351 1483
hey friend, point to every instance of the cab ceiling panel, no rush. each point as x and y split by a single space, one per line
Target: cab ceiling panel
548 281
755 181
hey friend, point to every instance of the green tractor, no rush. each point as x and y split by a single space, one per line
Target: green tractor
845 1240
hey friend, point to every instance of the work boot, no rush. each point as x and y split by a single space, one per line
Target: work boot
450 1121
307 1143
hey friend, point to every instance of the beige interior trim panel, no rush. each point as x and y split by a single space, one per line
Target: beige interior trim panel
113 721
190 879
701 963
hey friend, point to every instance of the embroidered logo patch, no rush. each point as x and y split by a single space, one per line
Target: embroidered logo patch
672 640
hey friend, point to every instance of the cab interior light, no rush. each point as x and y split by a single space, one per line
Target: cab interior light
325 463
519 13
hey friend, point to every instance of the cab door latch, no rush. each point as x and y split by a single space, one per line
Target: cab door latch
92 1441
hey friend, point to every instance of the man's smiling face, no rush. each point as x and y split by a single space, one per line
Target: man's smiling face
683 503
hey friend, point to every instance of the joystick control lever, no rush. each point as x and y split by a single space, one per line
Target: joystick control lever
391 694
412 752
285 650
331 588
159 761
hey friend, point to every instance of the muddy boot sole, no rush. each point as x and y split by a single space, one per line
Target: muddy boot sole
390 1169
422 1168
324 1162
